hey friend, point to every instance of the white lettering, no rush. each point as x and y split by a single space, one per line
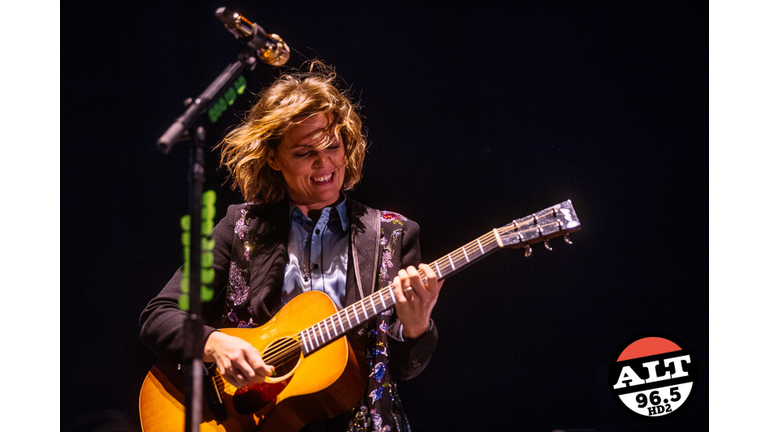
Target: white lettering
678 361
627 374
652 377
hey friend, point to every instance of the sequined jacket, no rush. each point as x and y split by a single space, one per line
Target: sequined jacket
250 255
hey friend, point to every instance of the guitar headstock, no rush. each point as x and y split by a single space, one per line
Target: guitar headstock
555 221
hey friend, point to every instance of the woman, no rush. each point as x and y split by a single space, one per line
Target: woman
299 150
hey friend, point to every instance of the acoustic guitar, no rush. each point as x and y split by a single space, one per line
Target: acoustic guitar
317 375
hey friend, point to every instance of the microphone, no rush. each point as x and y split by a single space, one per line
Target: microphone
270 48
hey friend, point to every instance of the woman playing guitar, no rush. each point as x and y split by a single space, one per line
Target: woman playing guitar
294 157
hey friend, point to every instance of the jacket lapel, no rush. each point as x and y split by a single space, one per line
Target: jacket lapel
268 236
365 225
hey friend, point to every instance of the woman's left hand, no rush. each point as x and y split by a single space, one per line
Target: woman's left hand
415 300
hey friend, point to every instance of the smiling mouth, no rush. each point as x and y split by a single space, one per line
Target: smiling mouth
322 180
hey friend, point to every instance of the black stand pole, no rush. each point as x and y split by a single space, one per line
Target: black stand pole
193 326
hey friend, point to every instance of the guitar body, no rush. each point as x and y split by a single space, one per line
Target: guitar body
322 385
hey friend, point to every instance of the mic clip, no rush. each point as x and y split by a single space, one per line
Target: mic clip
270 48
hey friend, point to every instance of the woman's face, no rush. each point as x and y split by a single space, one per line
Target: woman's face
314 175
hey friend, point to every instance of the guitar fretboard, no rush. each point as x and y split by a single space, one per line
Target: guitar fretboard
342 322
554 221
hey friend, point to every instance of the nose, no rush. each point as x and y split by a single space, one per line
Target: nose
317 162
321 161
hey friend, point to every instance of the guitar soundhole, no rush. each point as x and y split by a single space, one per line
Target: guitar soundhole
284 354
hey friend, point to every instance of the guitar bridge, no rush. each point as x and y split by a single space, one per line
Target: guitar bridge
212 395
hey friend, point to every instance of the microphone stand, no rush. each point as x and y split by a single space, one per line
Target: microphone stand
245 62
193 326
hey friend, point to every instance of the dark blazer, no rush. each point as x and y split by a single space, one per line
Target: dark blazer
250 255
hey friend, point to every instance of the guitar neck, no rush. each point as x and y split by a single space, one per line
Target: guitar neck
558 220
342 322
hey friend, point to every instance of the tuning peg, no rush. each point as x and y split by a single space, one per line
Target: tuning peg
547 245
528 251
567 239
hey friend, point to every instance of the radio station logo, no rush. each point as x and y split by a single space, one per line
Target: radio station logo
653 375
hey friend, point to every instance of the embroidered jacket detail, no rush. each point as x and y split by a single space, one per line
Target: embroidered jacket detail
395 218
238 288
241 229
237 291
388 249
381 396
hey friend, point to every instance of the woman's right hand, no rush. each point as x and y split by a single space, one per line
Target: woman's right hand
237 360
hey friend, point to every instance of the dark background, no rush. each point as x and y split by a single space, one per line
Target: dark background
477 114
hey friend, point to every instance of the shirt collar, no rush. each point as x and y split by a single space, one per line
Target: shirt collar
340 207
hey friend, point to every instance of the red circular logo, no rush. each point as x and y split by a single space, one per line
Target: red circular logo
653 375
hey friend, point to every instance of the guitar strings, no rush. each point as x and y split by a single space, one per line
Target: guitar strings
363 305
273 355
487 239
287 356
471 248
288 349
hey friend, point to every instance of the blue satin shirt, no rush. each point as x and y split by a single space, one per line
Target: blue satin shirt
317 253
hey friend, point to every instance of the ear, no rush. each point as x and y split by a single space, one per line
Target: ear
272 160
